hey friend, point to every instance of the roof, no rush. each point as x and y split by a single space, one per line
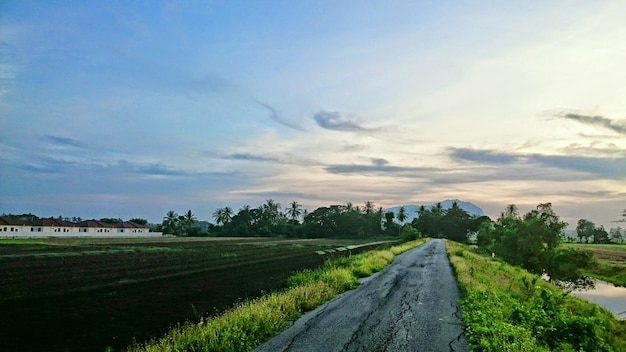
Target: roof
7 220
51 222
96 223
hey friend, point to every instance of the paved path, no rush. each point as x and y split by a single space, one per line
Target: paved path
409 306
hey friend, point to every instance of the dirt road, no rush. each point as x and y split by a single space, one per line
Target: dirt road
409 306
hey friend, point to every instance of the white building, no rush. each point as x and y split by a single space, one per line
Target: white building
11 227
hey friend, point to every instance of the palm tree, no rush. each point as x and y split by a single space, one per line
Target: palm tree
294 211
369 207
170 223
190 218
511 210
223 216
402 215
271 210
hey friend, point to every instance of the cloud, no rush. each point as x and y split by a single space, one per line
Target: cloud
482 156
616 126
378 166
287 158
274 115
63 141
251 157
607 167
610 167
333 120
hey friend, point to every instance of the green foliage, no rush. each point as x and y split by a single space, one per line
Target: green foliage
531 242
586 230
183 225
409 233
249 324
564 266
453 223
508 309
139 221
343 222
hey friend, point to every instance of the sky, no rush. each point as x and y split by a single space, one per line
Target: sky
133 108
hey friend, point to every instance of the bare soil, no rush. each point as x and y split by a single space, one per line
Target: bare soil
86 295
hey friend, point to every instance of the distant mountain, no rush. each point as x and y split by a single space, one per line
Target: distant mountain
411 210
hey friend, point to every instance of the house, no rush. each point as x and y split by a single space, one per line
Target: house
12 227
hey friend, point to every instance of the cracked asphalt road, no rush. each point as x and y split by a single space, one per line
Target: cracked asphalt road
409 306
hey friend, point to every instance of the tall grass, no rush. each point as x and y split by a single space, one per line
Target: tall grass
506 308
250 323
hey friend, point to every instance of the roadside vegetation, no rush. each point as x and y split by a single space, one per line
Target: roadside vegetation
533 241
506 308
609 264
250 323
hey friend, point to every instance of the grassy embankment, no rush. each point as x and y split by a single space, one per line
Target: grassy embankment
610 261
505 308
250 323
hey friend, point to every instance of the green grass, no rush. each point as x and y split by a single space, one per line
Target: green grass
250 323
505 308
610 261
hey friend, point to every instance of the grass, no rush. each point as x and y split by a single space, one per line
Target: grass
505 308
250 323
610 261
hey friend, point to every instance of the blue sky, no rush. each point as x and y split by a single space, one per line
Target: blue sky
132 108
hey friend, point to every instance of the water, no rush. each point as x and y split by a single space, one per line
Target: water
608 296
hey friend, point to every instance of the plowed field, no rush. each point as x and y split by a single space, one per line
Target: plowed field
87 294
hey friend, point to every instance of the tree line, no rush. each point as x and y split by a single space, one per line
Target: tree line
334 221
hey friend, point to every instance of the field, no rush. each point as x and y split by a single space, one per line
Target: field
87 294
610 261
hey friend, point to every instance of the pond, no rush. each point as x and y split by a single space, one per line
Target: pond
606 295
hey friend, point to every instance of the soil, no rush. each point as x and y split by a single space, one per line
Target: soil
103 294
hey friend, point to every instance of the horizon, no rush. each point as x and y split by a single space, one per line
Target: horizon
114 109
571 226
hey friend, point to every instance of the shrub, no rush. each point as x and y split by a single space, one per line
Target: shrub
409 233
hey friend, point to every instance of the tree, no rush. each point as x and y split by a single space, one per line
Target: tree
585 230
391 228
222 216
369 207
190 218
455 223
402 216
170 223
617 235
136 221
532 242
271 211
294 212
600 235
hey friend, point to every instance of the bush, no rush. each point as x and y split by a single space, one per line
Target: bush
409 233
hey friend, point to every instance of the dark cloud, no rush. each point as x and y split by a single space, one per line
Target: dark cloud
378 166
63 141
607 167
482 156
333 120
286 158
274 115
601 121
611 167
251 157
